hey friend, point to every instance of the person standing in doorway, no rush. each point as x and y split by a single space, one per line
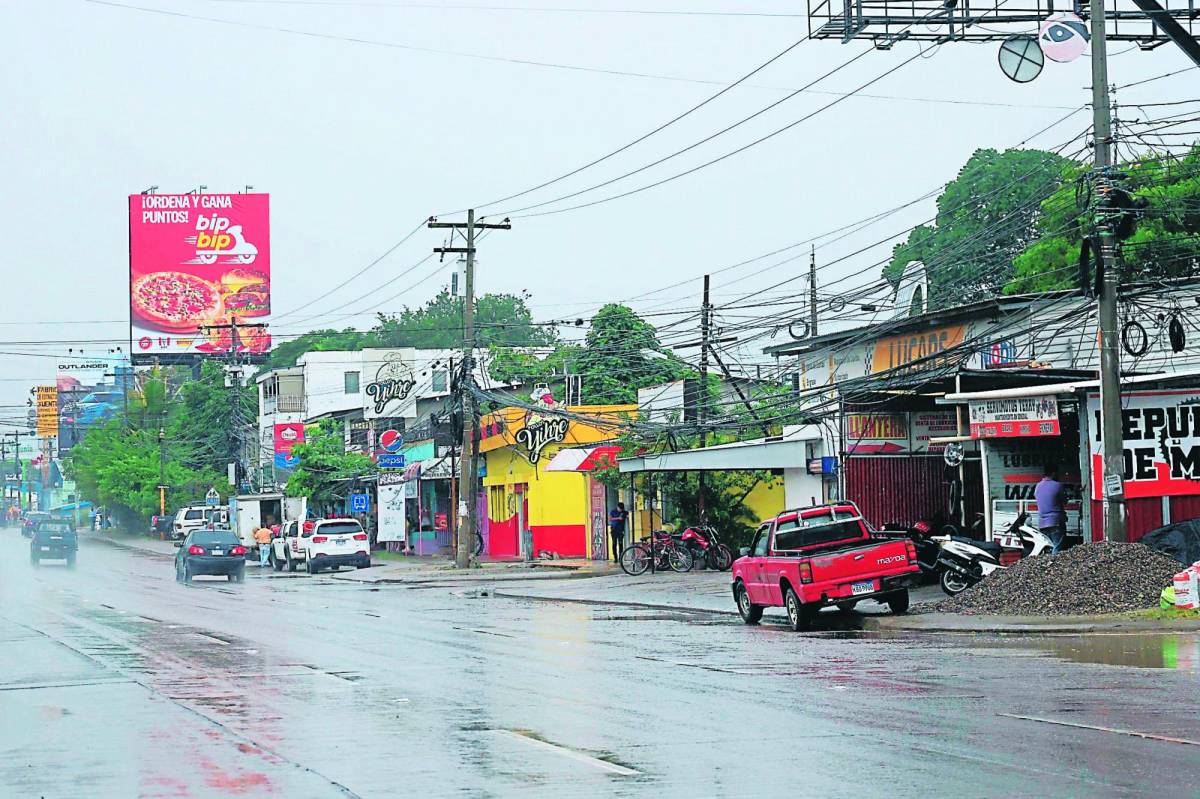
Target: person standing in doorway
1052 518
617 518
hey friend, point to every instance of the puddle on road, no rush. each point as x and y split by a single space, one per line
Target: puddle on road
1179 651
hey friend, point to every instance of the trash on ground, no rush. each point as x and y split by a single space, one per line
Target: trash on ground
1103 577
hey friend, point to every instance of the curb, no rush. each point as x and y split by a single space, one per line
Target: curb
1034 626
450 578
616 603
128 545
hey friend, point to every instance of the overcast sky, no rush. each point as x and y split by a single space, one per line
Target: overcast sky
370 124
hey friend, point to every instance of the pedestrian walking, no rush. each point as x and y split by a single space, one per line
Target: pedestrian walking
263 536
616 529
1052 517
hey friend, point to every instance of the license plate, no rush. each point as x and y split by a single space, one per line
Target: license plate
218 552
862 588
45 549
341 541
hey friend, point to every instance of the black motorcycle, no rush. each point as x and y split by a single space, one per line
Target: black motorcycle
928 550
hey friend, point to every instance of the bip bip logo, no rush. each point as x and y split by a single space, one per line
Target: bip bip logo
391 441
216 237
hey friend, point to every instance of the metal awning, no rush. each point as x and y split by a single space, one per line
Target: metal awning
763 453
1061 388
583 459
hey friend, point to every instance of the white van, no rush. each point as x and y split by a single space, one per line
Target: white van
193 517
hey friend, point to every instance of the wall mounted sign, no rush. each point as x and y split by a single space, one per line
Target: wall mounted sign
921 350
1015 417
389 391
1161 444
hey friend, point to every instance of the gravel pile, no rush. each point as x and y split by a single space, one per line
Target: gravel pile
1087 579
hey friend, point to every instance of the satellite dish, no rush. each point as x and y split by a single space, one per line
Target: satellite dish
1021 59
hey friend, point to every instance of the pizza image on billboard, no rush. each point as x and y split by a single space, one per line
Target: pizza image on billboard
198 260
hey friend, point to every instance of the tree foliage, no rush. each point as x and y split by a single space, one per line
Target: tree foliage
986 217
323 463
621 354
1165 244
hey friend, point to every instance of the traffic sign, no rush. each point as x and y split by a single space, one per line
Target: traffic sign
212 497
360 503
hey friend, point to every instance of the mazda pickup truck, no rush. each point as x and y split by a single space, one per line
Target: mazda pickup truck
803 560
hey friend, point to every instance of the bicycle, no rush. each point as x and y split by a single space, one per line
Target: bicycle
666 551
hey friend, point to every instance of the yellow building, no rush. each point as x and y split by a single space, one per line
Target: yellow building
538 478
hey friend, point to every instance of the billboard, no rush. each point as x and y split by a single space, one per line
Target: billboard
83 372
287 436
1161 447
390 500
195 260
47 411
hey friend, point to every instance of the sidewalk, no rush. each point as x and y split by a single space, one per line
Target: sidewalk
132 541
1025 625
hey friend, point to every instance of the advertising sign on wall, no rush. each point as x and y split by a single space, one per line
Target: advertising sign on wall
390 495
47 411
195 260
1161 432
1015 417
923 350
877 433
75 374
390 384
287 436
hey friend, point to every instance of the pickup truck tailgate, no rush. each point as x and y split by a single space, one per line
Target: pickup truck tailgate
872 559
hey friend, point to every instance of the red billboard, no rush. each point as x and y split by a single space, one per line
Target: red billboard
197 260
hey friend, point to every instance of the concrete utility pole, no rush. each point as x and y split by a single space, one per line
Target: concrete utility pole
1106 255
465 521
234 374
702 408
162 471
812 291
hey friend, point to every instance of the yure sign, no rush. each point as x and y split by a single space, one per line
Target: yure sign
197 260
536 436
1161 443
390 391
922 350
1015 417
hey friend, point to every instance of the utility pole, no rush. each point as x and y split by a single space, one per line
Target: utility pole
702 409
466 521
1110 354
17 462
812 291
162 471
234 372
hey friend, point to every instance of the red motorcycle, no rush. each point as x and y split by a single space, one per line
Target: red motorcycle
706 547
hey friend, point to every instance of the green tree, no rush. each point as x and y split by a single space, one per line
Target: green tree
207 421
1165 244
986 217
286 353
323 463
621 354
500 320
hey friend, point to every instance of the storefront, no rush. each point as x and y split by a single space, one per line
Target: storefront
564 508
428 495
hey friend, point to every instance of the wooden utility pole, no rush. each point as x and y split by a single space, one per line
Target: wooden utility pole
465 521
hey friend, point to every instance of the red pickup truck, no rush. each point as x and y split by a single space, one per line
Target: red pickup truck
803 560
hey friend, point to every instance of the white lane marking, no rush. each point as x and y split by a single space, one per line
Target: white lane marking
1134 733
596 763
214 639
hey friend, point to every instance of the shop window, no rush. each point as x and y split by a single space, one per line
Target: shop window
497 505
350 379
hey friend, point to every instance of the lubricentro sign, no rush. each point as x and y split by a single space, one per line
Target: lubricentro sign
896 351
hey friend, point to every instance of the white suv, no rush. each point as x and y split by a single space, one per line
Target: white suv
336 543
287 546
195 517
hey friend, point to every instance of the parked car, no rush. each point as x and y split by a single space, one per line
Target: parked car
196 517
287 545
53 539
806 559
29 519
210 552
334 543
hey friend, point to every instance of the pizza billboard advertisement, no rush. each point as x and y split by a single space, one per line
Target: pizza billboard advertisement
196 260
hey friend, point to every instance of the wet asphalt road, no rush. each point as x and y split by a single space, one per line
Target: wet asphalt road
115 681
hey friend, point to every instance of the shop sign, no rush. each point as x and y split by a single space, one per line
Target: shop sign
390 390
537 436
389 461
1001 354
1161 443
921 349
1015 417
877 433
47 411
932 424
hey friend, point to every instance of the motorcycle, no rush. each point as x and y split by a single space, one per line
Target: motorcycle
928 548
966 561
706 547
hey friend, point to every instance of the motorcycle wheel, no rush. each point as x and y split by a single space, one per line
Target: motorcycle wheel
634 560
720 558
681 559
954 583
